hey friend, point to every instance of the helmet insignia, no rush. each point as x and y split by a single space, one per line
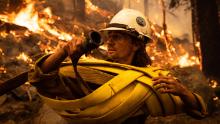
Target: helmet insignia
140 21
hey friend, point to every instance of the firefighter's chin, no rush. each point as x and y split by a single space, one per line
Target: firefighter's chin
111 54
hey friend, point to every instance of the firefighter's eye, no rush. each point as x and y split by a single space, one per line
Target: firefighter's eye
116 37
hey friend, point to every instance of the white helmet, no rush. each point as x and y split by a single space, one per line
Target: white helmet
132 22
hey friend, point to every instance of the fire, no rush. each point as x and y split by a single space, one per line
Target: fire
27 17
2 70
3 34
197 44
24 57
47 48
59 34
164 51
4 18
90 7
215 98
43 22
1 52
213 83
186 60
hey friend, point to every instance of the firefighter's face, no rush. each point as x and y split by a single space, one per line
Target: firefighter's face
119 46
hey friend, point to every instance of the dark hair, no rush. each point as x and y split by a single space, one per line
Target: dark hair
141 57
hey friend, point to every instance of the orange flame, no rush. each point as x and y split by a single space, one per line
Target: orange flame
28 17
186 60
169 56
1 52
90 7
213 83
215 98
24 57
3 34
2 70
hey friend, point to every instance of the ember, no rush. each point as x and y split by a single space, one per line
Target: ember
2 70
1 52
26 58
215 98
213 83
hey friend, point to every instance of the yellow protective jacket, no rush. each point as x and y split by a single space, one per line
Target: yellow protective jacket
124 91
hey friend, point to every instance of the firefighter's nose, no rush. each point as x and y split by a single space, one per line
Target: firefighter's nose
110 42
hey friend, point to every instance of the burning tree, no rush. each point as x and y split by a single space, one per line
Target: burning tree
205 23
168 50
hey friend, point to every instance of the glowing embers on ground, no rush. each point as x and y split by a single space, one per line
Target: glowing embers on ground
2 70
213 83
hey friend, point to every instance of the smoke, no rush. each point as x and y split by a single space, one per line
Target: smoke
178 20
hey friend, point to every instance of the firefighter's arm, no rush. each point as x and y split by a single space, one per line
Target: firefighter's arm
71 48
49 84
193 103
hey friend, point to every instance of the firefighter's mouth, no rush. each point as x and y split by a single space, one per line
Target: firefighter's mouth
111 51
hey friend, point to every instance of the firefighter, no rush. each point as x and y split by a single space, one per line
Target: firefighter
125 88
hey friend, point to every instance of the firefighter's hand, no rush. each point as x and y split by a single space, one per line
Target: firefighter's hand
167 84
74 47
71 48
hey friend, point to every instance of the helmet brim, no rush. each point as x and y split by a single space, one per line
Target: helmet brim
106 30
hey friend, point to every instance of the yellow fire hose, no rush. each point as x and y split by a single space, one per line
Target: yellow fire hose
118 98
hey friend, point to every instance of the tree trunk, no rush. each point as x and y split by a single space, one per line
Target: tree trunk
206 29
129 3
79 8
10 5
146 7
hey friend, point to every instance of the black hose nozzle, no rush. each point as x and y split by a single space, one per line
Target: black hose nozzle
93 41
